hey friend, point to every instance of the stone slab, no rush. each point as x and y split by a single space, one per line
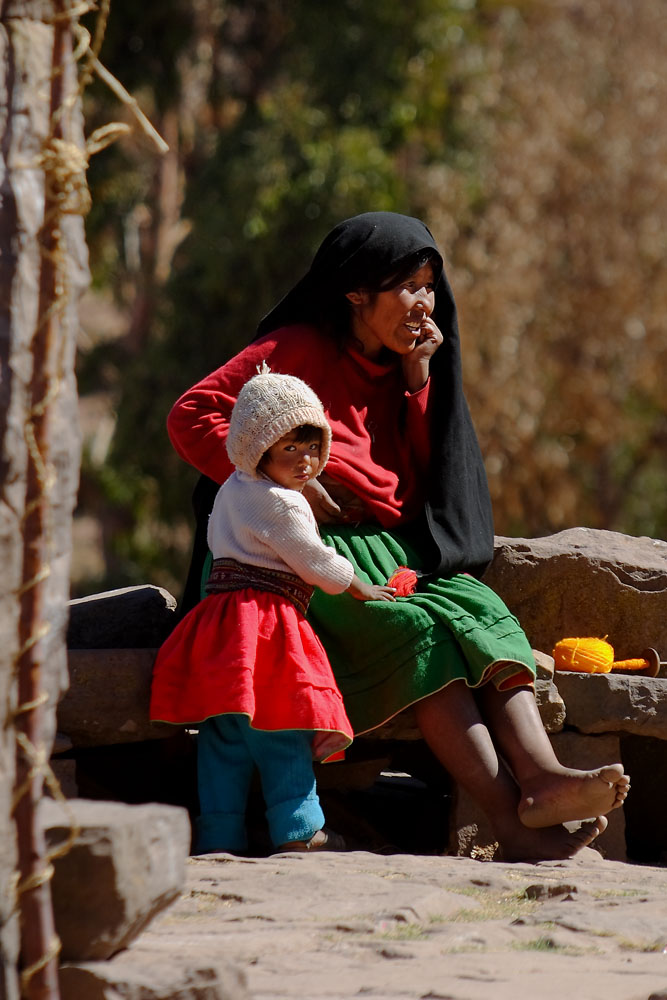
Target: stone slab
126 864
141 616
544 664
614 703
153 978
550 704
585 582
108 698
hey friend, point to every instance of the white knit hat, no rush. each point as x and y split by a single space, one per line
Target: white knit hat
268 407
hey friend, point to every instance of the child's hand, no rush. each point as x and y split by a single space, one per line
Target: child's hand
369 591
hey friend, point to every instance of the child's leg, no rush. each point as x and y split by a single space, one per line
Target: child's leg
285 765
224 770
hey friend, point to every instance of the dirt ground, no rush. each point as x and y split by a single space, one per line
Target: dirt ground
408 927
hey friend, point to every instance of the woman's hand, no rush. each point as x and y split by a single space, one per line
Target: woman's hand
325 509
333 503
416 363
369 591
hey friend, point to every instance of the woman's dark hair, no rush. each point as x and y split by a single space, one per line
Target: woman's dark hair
335 316
407 267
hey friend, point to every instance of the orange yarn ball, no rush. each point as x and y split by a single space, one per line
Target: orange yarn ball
588 656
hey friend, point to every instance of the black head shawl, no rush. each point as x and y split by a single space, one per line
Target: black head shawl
360 253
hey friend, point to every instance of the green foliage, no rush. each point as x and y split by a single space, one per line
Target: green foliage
285 116
322 111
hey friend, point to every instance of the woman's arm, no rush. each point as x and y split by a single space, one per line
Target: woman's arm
416 369
199 420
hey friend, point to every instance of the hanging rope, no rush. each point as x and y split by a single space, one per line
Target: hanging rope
64 165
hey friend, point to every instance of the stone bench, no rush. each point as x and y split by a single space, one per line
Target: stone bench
578 582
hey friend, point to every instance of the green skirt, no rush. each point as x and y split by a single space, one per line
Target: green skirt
388 655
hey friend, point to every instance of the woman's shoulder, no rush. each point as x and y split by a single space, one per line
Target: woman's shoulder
301 349
294 345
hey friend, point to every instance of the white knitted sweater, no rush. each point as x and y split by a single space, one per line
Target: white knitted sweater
258 522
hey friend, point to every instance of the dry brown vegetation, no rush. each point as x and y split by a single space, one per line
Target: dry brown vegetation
560 266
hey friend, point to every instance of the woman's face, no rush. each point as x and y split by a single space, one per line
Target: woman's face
393 319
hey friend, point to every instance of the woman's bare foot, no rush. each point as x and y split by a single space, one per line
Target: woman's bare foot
572 795
554 843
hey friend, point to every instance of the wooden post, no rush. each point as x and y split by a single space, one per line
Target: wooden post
43 269
40 946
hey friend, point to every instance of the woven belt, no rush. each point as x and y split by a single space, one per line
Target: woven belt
228 574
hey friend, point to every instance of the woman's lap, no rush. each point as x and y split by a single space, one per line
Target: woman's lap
386 656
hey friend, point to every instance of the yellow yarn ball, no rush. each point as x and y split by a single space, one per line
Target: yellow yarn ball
588 656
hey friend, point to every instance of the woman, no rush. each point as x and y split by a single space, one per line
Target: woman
372 328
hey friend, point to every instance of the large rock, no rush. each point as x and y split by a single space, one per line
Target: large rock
151 976
121 619
608 703
585 582
127 863
108 698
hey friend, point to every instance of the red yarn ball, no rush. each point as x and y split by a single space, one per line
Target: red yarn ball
404 580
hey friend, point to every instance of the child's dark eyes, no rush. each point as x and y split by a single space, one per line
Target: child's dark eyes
314 447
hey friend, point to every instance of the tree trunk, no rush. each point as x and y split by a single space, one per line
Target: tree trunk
39 438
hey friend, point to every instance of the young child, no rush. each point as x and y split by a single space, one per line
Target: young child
244 664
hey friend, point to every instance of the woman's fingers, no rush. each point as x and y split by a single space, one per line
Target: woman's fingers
430 336
325 509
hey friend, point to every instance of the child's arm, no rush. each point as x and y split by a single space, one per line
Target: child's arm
370 591
298 543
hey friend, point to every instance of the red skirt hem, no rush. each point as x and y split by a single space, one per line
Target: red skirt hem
252 653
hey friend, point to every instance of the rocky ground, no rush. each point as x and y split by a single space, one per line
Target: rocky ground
406 927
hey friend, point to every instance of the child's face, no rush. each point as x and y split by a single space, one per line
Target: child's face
291 463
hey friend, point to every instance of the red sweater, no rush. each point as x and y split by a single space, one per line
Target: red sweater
381 440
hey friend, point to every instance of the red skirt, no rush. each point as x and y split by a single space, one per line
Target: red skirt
253 653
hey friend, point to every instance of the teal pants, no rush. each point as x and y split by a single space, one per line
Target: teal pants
228 750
